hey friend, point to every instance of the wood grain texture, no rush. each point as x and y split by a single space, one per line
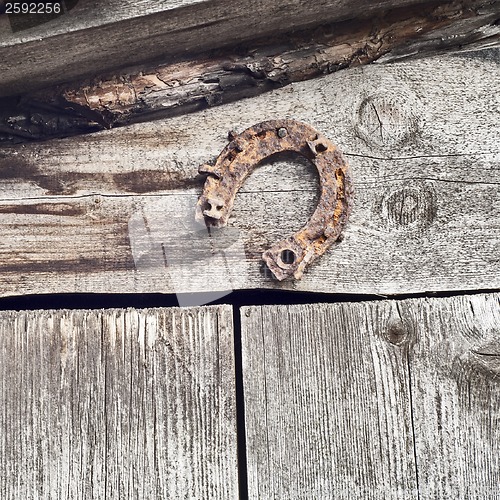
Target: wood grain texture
91 37
226 75
373 400
117 404
455 373
115 210
327 403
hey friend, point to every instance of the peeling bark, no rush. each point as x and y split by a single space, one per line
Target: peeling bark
227 75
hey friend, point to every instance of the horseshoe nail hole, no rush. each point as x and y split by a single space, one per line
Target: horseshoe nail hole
213 206
320 148
287 256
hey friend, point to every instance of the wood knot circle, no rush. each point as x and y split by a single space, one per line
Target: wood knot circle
410 206
389 120
396 332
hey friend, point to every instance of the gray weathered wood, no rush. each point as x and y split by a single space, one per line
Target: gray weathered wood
455 380
373 400
327 403
115 210
100 36
117 404
208 79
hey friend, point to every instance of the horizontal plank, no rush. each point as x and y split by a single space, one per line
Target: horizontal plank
117 404
115 209
92 34
389 399
89 39
209 79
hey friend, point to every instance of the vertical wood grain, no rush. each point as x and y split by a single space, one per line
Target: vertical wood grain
327 403
117 404
455 378
396 399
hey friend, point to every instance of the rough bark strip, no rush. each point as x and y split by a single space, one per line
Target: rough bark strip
115 210
259 66
117 404
328 406
90 39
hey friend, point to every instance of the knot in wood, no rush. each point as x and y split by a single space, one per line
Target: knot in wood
388 120
396 332
410 206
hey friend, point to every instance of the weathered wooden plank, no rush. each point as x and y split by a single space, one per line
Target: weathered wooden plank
455 379
327 403
115 210
117 404
95 35
373 400
213 78
90 38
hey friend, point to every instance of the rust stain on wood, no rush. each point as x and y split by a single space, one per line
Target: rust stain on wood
145 181
60 209
68 183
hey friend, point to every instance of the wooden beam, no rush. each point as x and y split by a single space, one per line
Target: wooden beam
217 77
115 210
373 400
118 404
97 37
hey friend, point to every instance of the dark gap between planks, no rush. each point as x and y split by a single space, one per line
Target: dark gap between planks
236 299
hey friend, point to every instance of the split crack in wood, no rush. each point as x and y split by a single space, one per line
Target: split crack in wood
289 257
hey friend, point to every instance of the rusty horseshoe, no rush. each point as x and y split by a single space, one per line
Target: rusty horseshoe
288 257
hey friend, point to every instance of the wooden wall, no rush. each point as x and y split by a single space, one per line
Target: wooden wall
118 404
114 210
395 398
95 37
392 399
